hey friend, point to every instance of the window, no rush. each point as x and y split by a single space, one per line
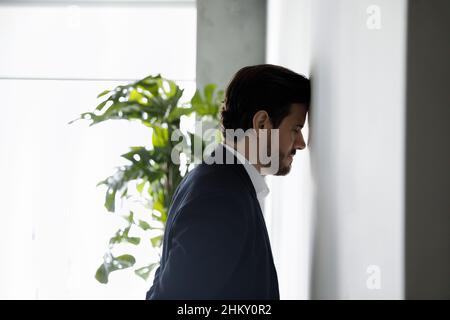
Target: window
54 60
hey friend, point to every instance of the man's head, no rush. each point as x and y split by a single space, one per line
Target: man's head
269 97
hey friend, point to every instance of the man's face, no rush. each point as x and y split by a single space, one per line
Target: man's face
291 137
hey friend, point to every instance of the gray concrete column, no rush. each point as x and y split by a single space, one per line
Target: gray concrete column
427 228
230 34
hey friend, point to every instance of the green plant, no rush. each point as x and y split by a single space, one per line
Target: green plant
150 173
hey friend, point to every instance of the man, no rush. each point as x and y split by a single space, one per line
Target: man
215 243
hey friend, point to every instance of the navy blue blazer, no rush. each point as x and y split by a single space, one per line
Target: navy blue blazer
215 243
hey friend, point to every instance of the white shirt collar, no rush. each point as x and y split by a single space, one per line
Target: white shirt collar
260 185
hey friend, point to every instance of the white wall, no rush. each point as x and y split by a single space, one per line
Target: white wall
287 210
357 148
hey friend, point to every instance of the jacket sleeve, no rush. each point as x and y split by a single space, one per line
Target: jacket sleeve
206 243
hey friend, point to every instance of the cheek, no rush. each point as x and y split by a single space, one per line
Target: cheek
285 141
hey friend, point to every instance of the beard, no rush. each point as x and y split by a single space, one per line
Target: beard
284 168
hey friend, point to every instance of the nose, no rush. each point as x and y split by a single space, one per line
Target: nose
300 142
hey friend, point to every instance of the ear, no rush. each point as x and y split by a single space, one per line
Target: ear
261 120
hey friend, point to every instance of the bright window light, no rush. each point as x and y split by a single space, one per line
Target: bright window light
54 60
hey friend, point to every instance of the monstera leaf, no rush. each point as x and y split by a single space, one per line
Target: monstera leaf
155 102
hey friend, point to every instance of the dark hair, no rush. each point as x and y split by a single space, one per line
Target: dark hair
262 87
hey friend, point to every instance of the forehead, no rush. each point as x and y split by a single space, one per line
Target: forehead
297 114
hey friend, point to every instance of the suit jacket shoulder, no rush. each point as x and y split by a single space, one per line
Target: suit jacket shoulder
215 243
